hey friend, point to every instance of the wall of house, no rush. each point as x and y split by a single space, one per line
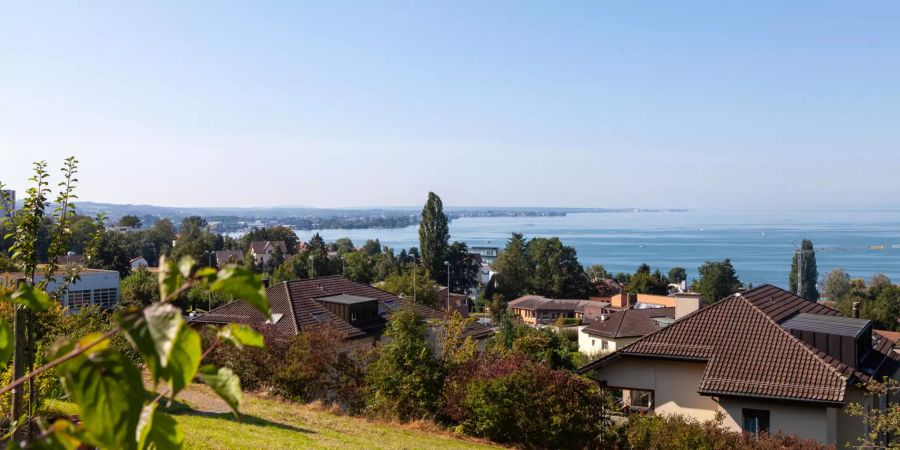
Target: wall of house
663 300
589 344
850 427
674 384
806 421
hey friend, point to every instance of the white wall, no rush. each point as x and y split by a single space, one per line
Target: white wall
812 421
592 344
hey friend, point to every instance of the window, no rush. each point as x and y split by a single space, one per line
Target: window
641 400
604 344
353 317
105 298
79 299
593 343
756 421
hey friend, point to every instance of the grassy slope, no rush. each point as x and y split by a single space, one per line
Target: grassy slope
273 424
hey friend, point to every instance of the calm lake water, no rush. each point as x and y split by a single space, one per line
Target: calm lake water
758 243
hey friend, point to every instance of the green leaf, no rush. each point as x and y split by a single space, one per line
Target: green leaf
169 277
152 331
62 434
32 298
225 383
186 266
165 433
6 343
242 284
184 360
240 335
106 387
158 430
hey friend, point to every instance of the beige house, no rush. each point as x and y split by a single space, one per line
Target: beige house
539 310
262 250
612 331
764 358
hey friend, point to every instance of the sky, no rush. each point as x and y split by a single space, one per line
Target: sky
702 105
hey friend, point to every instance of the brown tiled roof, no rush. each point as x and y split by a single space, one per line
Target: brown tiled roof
749 354
259 247
629 323
538 303
296 301
893 336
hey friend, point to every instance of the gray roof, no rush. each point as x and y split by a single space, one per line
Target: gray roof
346 299
837 325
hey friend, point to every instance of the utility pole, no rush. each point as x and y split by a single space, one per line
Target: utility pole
447 263
415 269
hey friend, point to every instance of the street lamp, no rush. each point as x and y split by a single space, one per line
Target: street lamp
312 267
447 263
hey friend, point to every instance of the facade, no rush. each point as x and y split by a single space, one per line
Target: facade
94 287
356 310
262 250
538 310
488 254
765 359
458 302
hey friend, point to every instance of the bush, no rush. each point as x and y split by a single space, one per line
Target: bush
254 366
405 380
516 400
318 366
679 432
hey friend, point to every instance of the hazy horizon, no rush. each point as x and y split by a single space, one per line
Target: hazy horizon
766 105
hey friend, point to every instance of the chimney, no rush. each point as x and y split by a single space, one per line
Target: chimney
856 310
686 303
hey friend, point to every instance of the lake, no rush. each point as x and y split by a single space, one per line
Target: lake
758 243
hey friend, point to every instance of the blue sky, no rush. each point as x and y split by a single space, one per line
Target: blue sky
706 105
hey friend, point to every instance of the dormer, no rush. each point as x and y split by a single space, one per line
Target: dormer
846 339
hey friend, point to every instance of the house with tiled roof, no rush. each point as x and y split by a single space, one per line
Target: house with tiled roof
767 360
539 310
620 328
225 257
262 250
357 310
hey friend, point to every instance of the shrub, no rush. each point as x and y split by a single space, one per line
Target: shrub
318 366
404 381
679 432
516 400
254 366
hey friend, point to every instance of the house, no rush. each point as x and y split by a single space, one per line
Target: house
624 300
767 360
93 287
620 328
357 310
262 250
539 310
488 255
138 262
458 302
225 257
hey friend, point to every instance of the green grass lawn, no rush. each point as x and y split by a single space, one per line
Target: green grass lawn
271 424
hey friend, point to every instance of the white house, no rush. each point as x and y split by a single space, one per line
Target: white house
138 262
262 250
94 287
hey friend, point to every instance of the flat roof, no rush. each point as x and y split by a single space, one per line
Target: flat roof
346 299
837 325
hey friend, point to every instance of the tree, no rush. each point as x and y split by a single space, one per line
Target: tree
316 242
434 236
129 220
276 233
717 281
463 268
401 283
809 274
677 275
557 272
837 284
645 282
372 247
514 268
344 245
140 288
597 272
357 267
404 380
880 422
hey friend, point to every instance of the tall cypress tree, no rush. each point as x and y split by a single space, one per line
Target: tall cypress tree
809 273
434 236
